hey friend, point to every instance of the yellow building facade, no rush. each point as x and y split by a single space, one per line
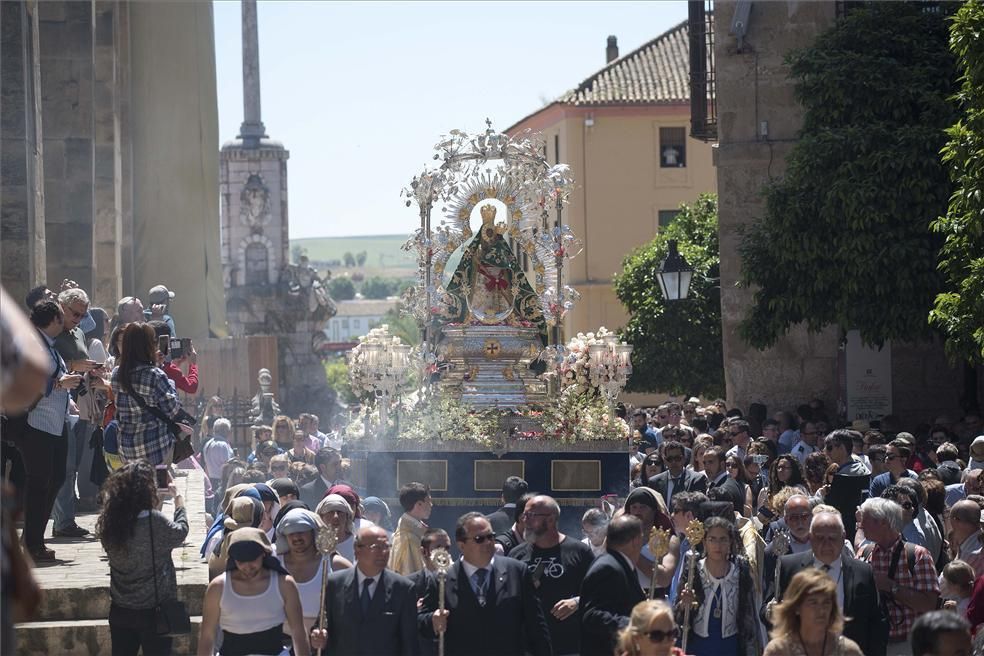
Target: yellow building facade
624 133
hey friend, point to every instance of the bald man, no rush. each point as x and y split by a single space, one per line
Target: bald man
369 610
965 534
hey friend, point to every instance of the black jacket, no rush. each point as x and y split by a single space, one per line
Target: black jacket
691 481
389 627
864 622
510 624
609 592
502 519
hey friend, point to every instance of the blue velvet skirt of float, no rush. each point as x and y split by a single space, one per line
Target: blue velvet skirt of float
713 644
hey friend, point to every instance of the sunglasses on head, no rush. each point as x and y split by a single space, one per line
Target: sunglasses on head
661 636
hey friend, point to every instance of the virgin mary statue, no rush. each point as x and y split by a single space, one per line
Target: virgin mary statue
489 285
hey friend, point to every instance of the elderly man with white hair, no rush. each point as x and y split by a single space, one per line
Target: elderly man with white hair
904 572
216 451
865 622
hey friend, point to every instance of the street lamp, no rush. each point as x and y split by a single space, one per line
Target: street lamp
674 274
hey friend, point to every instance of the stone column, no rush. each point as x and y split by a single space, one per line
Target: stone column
22 230
252 129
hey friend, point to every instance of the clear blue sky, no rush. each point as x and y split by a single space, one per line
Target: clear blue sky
359 92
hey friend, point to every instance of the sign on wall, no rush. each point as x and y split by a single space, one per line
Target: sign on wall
869 379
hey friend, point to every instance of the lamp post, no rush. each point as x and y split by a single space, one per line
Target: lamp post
610 367
674 274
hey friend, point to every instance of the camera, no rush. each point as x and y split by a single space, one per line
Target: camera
161 475
179 347
760 459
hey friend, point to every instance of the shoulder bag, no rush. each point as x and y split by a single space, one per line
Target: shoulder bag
170 616
182 441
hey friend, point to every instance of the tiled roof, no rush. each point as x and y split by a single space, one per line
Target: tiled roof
657 72
365 308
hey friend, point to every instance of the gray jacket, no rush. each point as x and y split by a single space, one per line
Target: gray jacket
131 568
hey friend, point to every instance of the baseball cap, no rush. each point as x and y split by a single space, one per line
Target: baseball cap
160 294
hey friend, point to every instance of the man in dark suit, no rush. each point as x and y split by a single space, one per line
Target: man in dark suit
434 538
857 594
717 476
491 607
676 478
369 610
502 519
328 462
611 587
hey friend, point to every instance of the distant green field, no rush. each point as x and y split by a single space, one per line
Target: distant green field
382 251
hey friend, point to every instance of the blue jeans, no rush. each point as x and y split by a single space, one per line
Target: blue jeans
63 515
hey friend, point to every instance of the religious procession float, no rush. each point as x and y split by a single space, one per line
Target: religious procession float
490 391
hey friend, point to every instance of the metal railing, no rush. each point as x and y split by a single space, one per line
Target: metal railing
703 99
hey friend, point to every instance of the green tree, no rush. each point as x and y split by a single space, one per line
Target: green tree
341 288
360 258
336 371
349 259
845 238
959 311
378 288
402 326
677 343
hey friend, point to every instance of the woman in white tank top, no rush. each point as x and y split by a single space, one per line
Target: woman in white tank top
251 601
297 551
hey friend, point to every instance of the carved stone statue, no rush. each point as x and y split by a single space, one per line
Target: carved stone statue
264 407
489 285
254 201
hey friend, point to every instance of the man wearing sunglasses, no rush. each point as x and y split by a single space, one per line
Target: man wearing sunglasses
71 346
491 606
896 455
676 478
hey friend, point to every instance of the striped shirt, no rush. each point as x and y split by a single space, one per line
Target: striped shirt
51 412
142 435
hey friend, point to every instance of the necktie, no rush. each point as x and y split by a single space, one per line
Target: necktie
826 569
366 595
480 575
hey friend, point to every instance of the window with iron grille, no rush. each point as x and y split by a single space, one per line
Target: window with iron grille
703 101
672 148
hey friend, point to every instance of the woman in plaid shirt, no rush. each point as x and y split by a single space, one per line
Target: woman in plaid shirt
143 435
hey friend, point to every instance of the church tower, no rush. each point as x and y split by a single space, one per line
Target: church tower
253 188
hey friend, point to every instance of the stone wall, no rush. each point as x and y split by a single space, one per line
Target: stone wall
70 155
22 229
753 87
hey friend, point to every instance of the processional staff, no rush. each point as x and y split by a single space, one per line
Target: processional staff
326 541
695 535
441 560
659 545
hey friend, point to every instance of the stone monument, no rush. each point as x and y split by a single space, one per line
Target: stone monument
266 294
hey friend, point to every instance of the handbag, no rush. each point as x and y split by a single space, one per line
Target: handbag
183 447
170 616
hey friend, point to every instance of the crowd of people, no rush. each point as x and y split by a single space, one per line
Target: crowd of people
739 533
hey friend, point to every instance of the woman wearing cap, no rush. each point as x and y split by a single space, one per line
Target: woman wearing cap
335 511
251 601
297 550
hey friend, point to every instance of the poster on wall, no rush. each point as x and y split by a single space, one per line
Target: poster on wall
869 379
